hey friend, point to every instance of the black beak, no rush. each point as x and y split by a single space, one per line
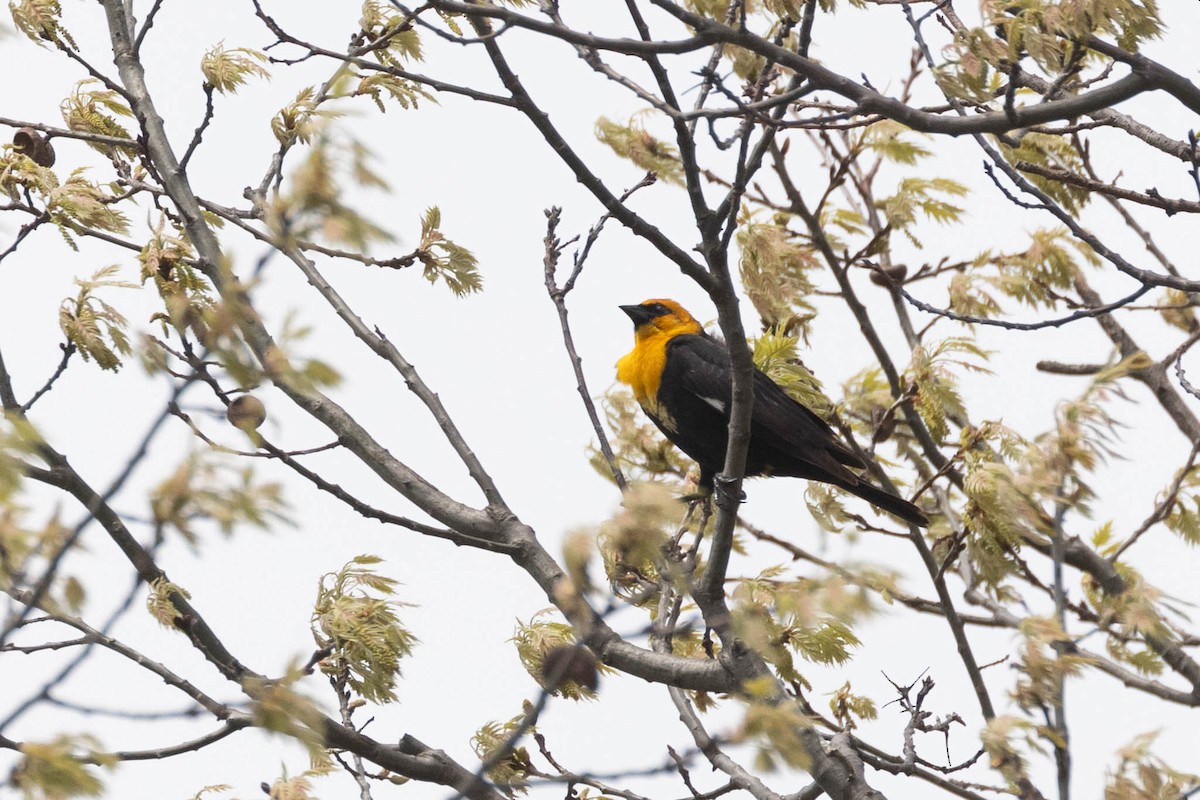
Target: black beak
639 314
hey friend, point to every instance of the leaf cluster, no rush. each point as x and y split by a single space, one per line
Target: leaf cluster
395 39
355 618
867 400
21 545
1132 613
633 142
715 9
1038 276
168 260
937 396
380 86
509 767
80 202
280 708
848 707
19 172
71 206
1005 739
639 449
776 354
52 771
298 787
1055 152
827 506
444 259
95 110
1083 436
538 637
1002 510
1181 514
807 617
1141 775
314 201
303 372
922 197
160 604
1048 36
1041 667
774 266
1177 310
226 70
631 542
41 21
301 120
207 489
967 296
776 729
893 142
19 438
96 328
1047 30
970 70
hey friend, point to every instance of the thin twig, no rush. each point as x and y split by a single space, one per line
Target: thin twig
68 350
558 295
201 128
1163 507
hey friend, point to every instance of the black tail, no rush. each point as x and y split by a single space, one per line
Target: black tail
889 503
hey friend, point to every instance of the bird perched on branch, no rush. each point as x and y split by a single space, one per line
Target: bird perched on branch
683 380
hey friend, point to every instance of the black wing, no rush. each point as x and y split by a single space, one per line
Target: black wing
786 438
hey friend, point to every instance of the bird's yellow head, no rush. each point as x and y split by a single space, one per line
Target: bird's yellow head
655 323
659 317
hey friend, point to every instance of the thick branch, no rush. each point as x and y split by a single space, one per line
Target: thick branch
869 101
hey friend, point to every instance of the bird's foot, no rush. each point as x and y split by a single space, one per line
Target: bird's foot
728 492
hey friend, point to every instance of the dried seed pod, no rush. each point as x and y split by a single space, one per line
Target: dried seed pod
246 413
568 662
886 276
35 145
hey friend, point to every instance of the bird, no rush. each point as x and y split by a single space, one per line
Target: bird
683 380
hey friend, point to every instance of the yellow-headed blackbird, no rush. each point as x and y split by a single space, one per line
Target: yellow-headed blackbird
683 380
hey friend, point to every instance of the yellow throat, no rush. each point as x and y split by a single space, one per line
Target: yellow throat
642 367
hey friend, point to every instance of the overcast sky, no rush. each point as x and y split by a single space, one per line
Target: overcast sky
497 362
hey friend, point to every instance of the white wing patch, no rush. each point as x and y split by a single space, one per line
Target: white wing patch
719 405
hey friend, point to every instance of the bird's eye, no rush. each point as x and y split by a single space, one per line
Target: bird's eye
659 308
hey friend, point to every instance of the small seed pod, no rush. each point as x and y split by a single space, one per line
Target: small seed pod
246 413
886 276
36 146
568 662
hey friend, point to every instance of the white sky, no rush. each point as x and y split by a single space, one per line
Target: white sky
497 362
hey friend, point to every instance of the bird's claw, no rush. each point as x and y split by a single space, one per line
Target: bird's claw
725 494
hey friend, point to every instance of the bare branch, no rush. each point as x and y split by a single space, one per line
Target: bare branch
1150 197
